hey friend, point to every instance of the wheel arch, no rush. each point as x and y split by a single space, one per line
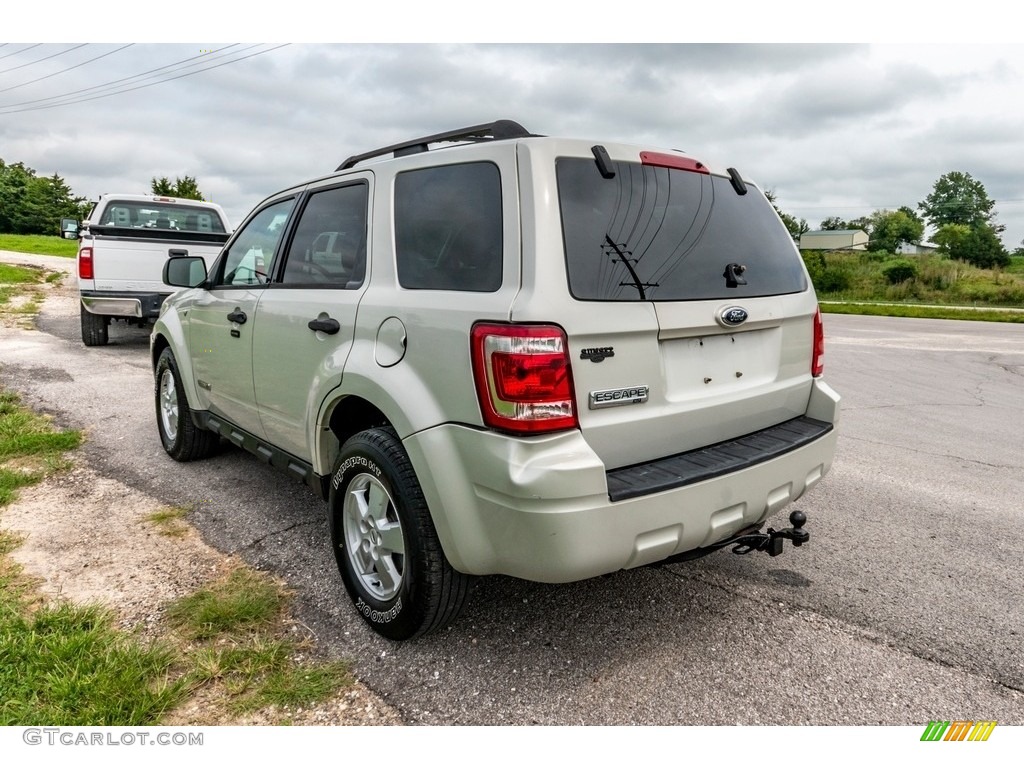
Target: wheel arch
344 417
170 335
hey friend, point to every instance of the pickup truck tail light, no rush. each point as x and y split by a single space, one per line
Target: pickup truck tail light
523 378
818 359
85 264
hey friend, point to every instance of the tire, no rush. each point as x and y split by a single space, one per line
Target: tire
385 543
94 328
181 438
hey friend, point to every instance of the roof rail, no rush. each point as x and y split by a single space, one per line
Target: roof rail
496 131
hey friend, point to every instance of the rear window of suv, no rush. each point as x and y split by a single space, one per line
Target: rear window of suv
660 234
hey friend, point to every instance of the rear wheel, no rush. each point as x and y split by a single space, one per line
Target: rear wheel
181 438
385 543
94 328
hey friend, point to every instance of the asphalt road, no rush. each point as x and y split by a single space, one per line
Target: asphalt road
905 606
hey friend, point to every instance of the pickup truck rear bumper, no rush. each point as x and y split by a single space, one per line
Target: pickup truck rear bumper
127 304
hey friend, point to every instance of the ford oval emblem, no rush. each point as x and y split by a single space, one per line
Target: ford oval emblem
733 316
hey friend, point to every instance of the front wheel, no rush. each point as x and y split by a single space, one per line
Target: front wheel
385 543
181 438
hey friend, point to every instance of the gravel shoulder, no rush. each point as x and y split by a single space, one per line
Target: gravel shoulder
88 538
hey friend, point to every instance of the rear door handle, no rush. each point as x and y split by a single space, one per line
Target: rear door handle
329 325
238 316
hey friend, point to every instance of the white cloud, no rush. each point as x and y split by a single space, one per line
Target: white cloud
834 130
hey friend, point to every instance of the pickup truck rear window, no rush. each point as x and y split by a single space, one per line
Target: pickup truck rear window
659 234
133 214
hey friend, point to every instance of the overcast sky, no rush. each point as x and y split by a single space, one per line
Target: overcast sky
834 129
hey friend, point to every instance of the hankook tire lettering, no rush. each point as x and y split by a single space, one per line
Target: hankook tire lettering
379 617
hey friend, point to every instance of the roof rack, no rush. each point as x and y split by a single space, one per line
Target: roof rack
496 131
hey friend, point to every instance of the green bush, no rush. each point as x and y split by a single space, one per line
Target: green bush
834 279
815 263
827 277
899 271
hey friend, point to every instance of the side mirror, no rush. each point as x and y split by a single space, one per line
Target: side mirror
185 271
69 229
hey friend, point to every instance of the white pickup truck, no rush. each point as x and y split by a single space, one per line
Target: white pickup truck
123 246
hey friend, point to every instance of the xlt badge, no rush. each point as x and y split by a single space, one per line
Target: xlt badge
606 398
597 354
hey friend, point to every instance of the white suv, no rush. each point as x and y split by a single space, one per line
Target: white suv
496 352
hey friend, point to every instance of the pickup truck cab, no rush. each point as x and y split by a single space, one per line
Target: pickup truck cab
123 246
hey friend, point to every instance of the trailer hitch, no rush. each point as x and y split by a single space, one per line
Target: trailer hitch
751 540
771 541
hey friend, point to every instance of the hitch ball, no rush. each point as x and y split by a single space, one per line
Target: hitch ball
798 520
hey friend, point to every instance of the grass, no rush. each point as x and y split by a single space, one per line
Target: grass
25 285
170 521
16 281
242 601
899 285
10 274
933 312
30 448
235 646
45 245
64 664
61 663
68 665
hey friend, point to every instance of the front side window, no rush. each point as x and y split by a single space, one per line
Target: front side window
329 244
448 228
251 252
658 234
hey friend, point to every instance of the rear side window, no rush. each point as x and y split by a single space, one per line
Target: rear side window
448 230
329 244
660 234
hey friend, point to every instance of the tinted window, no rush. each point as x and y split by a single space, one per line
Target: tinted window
329 245
448 233
252 251
667 235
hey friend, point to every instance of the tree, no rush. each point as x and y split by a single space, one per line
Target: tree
957 198
984 249
980 246
186 188
950 237
795 227
834 224
30 205
889 229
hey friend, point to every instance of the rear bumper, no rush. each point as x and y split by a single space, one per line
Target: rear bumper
123 304
540 508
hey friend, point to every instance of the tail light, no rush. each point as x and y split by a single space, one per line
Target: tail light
85 263
523 378
818 359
